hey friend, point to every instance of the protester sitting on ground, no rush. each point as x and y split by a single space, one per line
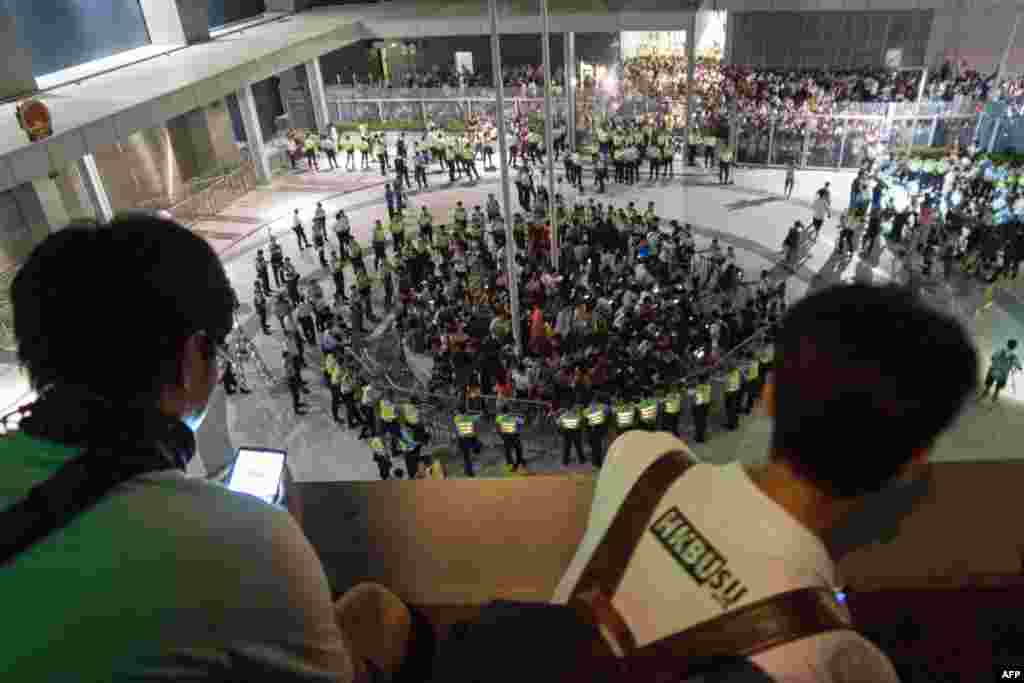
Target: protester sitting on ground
116 565
726 536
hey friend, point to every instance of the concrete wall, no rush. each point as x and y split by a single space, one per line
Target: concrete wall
976 31
827 39
159 161
28 212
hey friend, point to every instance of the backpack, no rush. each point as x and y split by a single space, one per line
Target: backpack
588 640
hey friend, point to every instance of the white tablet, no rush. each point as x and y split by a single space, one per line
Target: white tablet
258 472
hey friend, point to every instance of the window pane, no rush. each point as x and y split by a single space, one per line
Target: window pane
60 34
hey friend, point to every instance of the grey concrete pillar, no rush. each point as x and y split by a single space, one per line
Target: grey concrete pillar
16 65
318 94
253 133
93 183
176 21
570 85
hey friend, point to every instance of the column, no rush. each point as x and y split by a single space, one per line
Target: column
318 94
1006 53
691 84
546 50
176 21
253 133
16 66
570 85
93 183
506 195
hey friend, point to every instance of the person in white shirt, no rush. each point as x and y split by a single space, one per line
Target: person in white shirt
821 210
726 536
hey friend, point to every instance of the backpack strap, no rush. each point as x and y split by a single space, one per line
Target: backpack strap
745 632
603 573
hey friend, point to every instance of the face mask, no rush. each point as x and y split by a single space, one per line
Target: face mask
195 420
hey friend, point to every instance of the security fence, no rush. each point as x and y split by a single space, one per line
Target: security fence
209 197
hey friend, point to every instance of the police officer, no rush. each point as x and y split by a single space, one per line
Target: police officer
364 289
597 430
459 216
733 384
332 372
262 271
570 422
648 408
426 221
510 427
295 382
367 402
466 435
300 231
387 413
625 416
345 382
380 456
380 243
670 413
766 357
751 371
700 396
397 229
277 262
291 280
259 302
407 443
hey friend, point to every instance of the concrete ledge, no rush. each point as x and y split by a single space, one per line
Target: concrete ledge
465 541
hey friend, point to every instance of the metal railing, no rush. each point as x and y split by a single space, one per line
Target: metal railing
207 197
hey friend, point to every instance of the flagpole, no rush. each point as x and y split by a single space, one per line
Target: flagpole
506 198
548 142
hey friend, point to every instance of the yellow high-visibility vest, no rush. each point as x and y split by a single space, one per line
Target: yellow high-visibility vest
570 420
702 394
596 416
465 426
767 354
732 381
367 395
752 370
377 444
673 403
624 416
410 413
387 411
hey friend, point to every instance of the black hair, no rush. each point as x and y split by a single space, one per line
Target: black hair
1012 344
858 385
109 308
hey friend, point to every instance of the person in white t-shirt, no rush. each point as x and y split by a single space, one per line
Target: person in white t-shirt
725 536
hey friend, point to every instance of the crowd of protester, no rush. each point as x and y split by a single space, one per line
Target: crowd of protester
963 211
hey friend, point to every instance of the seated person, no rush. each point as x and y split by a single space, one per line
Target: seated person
725 536
142 573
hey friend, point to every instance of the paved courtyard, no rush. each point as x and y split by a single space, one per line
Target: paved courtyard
749 215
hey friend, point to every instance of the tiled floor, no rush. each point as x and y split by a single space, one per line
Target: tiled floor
747 215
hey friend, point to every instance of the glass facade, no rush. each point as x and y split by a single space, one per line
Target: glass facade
60 34
228 11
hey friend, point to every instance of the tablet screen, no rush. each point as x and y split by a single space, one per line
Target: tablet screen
258 472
